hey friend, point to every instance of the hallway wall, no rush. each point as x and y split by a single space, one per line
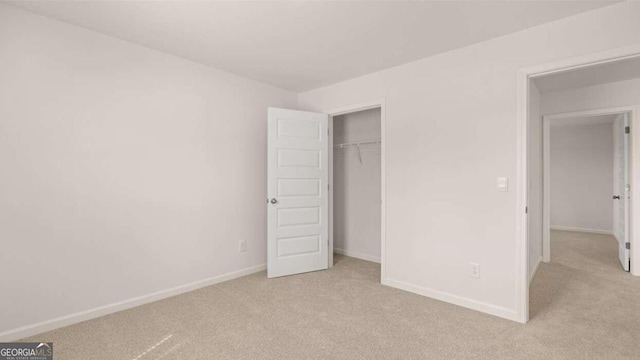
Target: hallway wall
608 95
582 177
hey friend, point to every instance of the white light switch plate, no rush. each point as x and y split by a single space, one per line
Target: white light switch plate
503 184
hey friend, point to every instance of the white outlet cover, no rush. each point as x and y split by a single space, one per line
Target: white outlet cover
475 270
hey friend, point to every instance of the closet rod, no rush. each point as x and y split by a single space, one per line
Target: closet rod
344 145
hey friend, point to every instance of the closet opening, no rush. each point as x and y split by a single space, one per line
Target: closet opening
356 169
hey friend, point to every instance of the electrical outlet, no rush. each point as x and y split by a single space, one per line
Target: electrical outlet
243 246
475 270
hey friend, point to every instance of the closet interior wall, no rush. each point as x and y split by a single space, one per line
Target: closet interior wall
357 184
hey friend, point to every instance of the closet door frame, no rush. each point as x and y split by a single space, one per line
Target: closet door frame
380 103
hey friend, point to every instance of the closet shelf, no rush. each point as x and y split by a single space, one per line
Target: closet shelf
346 145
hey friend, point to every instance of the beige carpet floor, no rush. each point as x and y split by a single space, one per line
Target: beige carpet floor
583 306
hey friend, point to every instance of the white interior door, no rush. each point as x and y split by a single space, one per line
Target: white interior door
622 187
298 203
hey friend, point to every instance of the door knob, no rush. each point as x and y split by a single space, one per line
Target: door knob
274 200
615 197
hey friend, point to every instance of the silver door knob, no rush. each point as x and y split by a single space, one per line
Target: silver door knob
274 200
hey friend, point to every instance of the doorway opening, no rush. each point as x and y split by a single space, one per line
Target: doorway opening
598 88
302 191
356 185
586 180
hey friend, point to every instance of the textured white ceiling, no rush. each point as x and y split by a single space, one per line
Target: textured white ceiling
305 45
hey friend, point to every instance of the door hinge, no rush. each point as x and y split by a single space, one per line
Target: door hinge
627 245
327 131
328 187
627 130
526 210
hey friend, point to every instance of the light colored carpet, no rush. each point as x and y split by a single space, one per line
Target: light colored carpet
583 306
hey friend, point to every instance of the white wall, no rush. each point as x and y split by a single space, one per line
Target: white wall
356 195
609 95
125 171
534 204
451 130
582 177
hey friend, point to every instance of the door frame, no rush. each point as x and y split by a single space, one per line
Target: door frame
373 104
524 77
546 168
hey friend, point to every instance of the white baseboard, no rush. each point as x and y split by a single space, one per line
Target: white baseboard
535 270
357 255
48 325
591 231
455 299
616 234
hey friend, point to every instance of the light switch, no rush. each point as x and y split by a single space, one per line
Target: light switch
503 184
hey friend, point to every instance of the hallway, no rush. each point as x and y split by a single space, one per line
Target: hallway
585 296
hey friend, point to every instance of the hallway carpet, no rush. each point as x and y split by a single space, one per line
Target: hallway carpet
583 306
